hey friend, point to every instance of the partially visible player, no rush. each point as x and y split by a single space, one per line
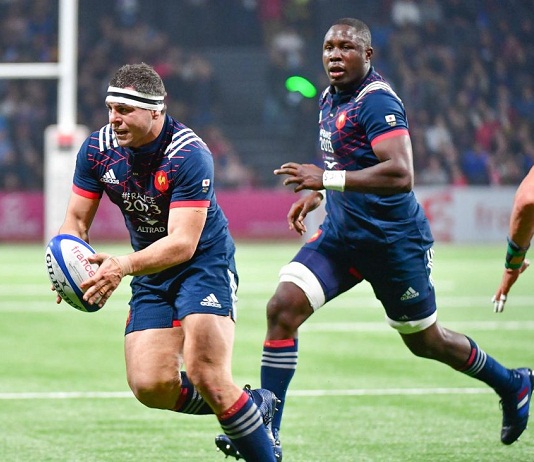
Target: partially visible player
374 230
521 230
182 310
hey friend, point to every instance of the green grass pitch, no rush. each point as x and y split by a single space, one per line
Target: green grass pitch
358 394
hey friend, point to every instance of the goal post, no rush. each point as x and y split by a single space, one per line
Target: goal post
63 139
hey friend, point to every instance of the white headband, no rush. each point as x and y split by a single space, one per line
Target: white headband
134 98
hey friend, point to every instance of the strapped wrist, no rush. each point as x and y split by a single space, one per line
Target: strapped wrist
334 180
515 255
124 264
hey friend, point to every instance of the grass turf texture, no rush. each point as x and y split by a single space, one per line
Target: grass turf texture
358 394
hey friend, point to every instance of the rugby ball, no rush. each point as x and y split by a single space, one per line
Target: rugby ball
67 265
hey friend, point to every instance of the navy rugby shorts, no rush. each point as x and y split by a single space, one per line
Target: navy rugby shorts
205 284
399 273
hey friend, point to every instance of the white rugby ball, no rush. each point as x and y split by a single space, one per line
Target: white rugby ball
67 265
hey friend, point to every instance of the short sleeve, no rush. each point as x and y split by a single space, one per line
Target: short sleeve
382 112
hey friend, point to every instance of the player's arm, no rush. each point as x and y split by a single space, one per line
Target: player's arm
393 174
521 227
300 209
79 216
184 229
520 233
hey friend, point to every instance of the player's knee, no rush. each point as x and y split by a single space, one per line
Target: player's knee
431 343
209 382
288 309
154 392
421 350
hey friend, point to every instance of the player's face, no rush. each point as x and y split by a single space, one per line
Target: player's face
133 126
345 58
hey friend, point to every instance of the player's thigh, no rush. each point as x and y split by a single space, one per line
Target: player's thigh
404 285
331 269
208 347
153 355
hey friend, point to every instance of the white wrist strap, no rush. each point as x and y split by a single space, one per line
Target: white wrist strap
334 180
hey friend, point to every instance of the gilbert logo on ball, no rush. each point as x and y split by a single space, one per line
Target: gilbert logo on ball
68 266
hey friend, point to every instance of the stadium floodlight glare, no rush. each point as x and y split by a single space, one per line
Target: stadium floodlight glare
297 83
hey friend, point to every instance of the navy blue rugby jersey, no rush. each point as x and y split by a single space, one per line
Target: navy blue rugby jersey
175 170
350 123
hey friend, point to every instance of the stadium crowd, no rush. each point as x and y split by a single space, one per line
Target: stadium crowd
463 69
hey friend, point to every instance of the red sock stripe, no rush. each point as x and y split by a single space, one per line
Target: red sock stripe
243 399
522 394
289 342
470 361
181 399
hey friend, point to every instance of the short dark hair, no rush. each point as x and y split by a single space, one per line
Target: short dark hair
140 77
361 28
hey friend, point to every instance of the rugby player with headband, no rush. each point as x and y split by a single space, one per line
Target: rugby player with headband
160 174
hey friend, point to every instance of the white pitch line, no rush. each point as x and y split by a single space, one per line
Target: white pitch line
391 392
295 393
68 395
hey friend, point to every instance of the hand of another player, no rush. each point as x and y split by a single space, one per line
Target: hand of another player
99 288
508 280
300 209
305 176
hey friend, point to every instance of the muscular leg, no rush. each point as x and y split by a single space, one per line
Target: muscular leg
207 353
153 362
462 354
286 311
440 344
514 386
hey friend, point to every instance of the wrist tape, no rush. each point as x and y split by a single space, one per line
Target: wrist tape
124 263
334 180
515 255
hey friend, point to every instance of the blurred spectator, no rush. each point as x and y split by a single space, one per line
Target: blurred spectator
433 173
405 13
230 172
438 136
476 165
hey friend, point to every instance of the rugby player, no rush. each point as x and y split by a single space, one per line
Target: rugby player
182 309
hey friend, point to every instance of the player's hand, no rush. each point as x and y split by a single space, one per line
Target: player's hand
508 280
305 176
58 298
301 208
99 288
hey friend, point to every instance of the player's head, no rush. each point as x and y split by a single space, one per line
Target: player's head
347 52
138 85
135 100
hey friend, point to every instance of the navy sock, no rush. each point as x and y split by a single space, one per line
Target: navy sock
243 424
278 365
483 367
190 401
